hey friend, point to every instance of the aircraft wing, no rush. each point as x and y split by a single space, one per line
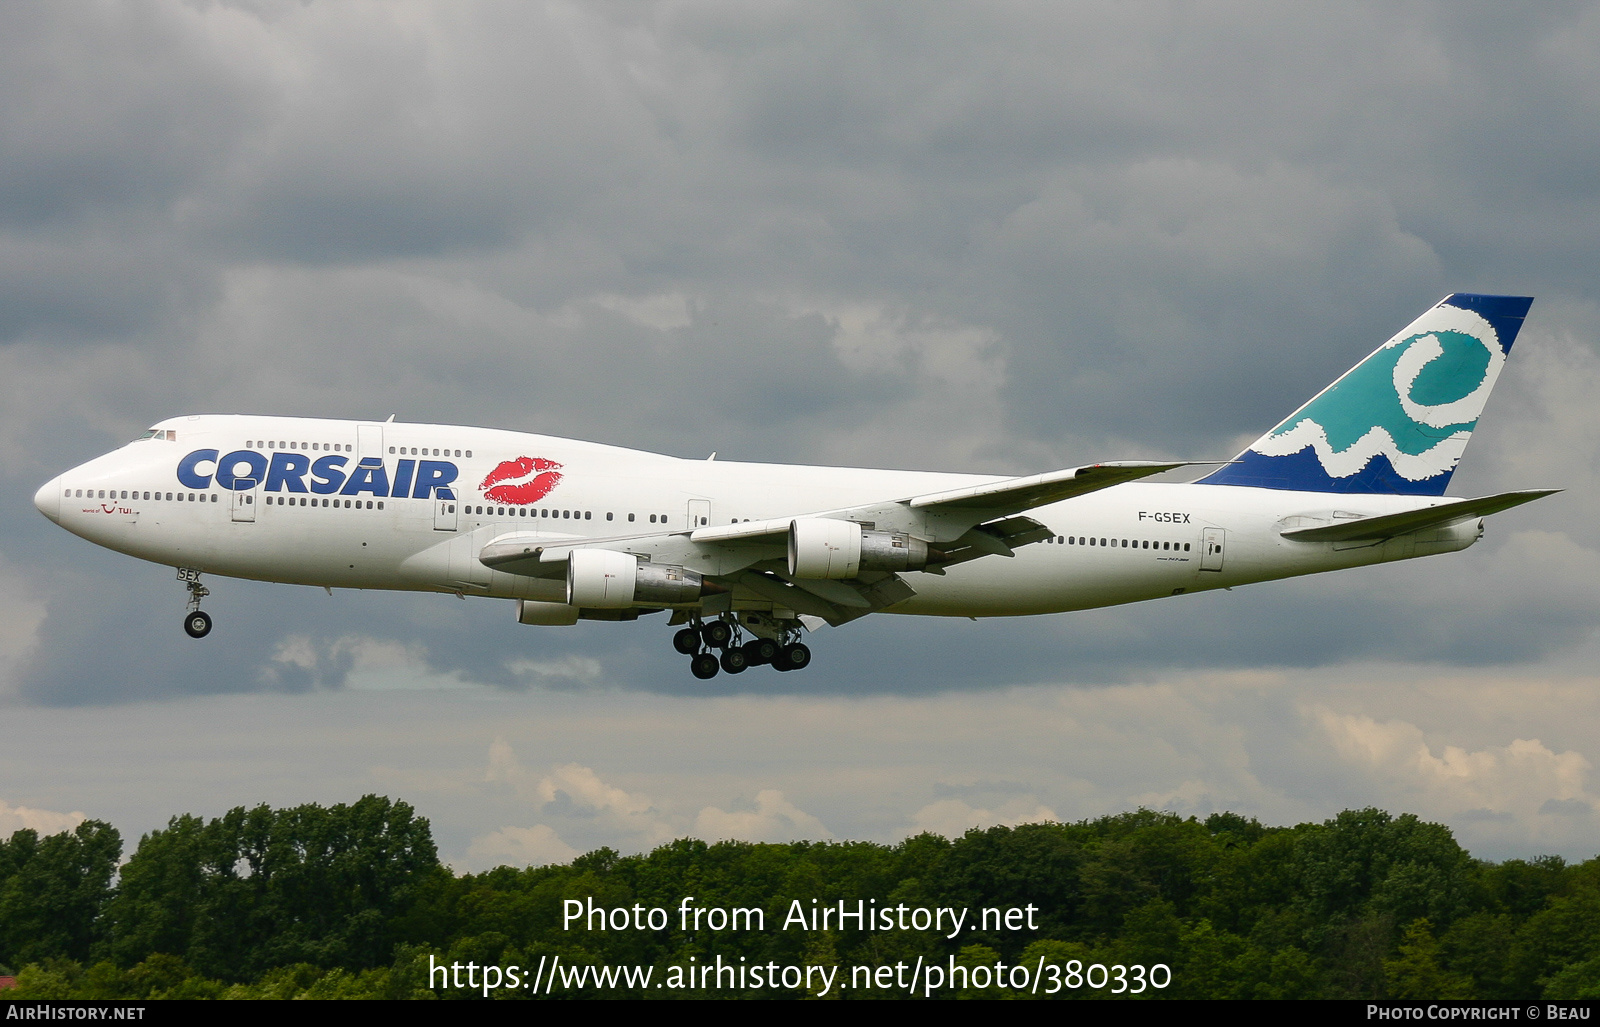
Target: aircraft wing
1013 495
1385 526
971 504
965 524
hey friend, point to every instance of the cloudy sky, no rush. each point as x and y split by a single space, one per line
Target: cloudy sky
986 237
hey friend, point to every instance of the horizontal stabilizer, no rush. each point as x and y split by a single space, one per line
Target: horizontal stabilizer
1390 525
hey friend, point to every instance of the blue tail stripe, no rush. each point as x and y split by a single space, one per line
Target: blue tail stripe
1505 313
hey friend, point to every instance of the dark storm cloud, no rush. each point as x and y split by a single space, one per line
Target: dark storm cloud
1154 228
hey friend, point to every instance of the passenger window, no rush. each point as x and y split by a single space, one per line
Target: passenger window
608 515
630 518
586 515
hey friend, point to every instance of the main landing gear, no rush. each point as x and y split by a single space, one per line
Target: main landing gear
196 623
785 654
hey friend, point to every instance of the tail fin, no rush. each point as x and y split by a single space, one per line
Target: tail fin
1397 422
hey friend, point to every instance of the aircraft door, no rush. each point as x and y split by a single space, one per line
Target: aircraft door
699 513
1211 550
244 502
444 514
369 441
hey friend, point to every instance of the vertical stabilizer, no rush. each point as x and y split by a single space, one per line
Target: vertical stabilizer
1398 422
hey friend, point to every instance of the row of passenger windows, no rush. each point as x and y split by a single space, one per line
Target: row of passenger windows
424 451
342 447
542 511
336 504
332 447
497 511
1114 543
135 494
190 496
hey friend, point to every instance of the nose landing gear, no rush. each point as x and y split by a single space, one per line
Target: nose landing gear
196 623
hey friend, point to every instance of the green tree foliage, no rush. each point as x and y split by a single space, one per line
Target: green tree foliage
1415 972
52 891
263 888
351 902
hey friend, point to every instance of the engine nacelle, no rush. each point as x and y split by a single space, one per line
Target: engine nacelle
531 611
822 547
602 579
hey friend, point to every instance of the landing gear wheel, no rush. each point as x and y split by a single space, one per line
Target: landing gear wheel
197 624
704 666
717 634
734 660
761 651
687 641
793 657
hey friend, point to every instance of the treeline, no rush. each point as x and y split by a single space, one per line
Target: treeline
352 902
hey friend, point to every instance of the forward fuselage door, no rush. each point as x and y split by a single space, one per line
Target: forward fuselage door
444 514
369 441
1211 550
699 513
245 500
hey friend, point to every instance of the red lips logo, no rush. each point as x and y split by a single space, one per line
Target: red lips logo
546 476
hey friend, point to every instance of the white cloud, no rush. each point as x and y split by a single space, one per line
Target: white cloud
575 789
44 821
774 819
954 817
355 661
1523 777
521 846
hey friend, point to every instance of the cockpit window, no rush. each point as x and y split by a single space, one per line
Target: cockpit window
158 433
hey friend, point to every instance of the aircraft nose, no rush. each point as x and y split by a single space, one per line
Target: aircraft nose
48 499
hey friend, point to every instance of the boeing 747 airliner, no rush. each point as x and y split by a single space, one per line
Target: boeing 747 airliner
743 557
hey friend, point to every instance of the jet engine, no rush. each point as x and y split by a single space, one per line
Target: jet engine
603 579
822 547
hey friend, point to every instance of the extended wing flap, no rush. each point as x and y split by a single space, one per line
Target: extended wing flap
1389 525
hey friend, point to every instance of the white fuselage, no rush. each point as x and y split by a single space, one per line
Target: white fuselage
391 530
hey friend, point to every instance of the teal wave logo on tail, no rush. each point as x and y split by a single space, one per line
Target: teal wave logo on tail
1399 421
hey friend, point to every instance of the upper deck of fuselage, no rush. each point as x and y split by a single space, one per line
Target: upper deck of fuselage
480 459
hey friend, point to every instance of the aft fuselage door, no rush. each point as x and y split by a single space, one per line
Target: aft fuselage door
1211 550
699 513
444 514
